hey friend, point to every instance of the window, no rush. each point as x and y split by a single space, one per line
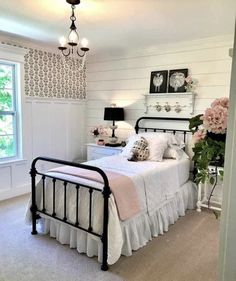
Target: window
8 111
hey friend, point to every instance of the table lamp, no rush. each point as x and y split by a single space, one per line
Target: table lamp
113 114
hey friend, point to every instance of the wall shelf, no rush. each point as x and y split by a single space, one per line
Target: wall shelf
170 102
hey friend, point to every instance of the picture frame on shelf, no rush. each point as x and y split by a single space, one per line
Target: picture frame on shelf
176 81
158 82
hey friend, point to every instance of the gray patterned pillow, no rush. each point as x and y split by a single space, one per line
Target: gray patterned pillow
140 150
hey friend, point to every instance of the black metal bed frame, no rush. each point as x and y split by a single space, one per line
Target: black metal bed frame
174 131
105 191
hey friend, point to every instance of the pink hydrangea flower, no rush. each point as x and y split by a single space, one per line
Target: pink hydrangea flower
215 119
224 102
199 135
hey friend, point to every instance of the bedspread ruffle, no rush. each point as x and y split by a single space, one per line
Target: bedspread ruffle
136 231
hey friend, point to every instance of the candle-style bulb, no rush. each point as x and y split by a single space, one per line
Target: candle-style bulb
62 41
84 43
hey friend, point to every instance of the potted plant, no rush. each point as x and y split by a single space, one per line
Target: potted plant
209 134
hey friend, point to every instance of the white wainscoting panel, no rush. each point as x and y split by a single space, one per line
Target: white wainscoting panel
52 128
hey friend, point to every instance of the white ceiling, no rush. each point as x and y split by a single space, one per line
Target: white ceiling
119 24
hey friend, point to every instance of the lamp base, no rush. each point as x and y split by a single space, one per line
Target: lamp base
112 139
113 144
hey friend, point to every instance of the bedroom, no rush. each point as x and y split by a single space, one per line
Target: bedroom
118 69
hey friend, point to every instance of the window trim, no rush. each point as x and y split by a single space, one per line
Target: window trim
15 55
14 111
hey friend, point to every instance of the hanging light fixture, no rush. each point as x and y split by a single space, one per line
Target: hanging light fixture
73 38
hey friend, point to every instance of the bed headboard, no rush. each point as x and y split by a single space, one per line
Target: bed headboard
163 124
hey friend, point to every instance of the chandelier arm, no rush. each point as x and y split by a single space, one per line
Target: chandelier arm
64 54
77 51
85 50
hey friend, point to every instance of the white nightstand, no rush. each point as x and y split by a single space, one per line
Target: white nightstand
203 197
95 151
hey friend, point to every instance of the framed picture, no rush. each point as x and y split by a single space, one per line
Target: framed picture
158 82
177 81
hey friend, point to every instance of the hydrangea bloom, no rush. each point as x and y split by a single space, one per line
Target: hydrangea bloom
215 118
224 102
199 135
209 138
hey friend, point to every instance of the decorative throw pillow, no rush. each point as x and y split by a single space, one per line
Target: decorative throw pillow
140 151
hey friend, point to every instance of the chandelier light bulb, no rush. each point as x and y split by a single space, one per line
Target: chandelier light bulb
84 43
62 41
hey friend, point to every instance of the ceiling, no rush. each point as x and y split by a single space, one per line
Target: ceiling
119 24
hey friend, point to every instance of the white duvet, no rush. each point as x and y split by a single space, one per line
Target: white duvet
155 183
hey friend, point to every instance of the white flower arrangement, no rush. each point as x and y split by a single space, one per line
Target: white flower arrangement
191 84
99 131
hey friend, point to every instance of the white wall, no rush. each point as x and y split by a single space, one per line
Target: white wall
124 79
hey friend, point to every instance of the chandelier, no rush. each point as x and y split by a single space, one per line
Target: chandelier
73 37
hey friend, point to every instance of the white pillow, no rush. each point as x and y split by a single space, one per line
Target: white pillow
157 147
178 154
172 139
157 143
130 143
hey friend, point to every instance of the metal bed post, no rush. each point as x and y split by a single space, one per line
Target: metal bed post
106 194
33 207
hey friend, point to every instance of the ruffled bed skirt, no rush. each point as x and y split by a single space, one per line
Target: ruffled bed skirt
136 231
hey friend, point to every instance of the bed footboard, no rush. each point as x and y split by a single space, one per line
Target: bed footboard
105 191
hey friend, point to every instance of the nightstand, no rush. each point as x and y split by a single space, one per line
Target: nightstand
205 190
95 151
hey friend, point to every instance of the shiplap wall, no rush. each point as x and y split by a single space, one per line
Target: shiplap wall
124 80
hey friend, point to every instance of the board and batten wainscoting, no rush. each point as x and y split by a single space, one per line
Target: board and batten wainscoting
124 79
52 127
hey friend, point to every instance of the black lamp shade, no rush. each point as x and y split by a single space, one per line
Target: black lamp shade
114 113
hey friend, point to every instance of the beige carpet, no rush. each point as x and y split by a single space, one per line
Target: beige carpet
188 252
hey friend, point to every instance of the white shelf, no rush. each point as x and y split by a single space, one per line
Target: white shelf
170 94
186 104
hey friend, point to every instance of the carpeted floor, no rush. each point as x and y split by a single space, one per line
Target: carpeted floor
188 252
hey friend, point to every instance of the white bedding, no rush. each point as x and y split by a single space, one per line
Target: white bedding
157 183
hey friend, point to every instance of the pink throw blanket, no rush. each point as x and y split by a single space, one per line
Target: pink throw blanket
121 187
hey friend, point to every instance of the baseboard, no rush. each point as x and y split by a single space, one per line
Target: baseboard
14 192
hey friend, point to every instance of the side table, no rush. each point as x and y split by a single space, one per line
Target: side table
204 200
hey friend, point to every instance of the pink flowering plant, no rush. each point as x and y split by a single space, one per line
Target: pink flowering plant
99 131
209 133
191 84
